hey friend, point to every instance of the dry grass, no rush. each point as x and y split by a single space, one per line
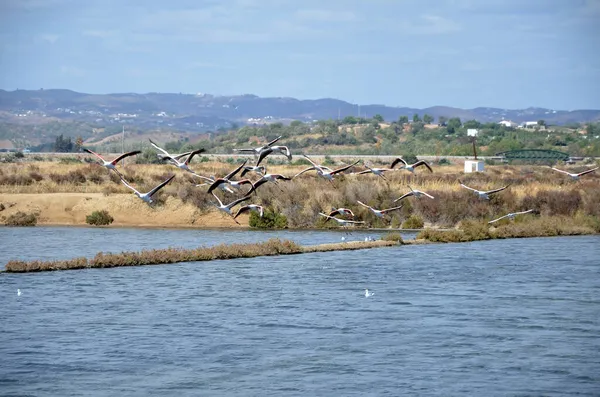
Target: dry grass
300 200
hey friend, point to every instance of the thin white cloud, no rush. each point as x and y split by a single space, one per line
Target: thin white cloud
48 37
323 15
72 71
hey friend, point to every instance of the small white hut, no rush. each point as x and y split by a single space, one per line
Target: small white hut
474 166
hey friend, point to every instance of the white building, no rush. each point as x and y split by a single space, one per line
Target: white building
508 123
474 166
472 132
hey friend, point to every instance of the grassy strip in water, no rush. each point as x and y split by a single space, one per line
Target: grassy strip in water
160 256
174 255
527 227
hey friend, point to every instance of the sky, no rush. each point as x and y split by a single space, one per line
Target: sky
417 53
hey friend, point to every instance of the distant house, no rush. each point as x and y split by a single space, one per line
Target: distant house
532 124
472 132
508 124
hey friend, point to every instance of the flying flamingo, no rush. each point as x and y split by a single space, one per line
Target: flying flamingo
483 194
376 171
268 178
379 213
260 169
166 154
226 208
147 197
511 215
341 211
325 172
184 165
414 192
250 207
227 180
341 222
410 167
112 165
575 176
256 151
274 149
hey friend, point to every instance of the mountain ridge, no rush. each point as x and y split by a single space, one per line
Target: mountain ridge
204 112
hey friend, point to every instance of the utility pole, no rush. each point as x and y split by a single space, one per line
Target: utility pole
123 143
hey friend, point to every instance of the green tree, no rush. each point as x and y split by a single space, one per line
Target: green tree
442 120
402 120
349 120
427 118
416 118
453 125
472 124
379 118
542 123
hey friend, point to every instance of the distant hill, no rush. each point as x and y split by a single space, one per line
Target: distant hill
69 110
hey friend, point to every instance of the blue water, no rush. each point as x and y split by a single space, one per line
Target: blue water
497 318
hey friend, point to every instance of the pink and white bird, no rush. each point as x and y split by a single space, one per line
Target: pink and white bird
342 222
414 192
410 167
379 213
147 197
250 207
112 165
341 211
256 151
323 171
577 175
226 208
377 171
268 178
511 215
483 194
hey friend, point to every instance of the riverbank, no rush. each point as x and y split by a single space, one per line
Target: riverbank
71 209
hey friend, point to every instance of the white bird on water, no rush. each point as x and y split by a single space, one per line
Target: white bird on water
18 292
368 293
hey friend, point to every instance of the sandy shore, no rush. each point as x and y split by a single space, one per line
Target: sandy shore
126 209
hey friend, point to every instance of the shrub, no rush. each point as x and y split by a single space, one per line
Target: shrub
21 219
413 222
99 218
393 236
36 176
269 220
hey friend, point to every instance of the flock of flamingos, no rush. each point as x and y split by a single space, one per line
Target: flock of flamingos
227 184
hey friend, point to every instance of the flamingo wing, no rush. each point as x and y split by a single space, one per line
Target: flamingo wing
344 168
127 184
398 160
94 153
263 153
216 184
159 148
466 187
121 157
497 190
405 195
385 211
235 171
161 185
588 171
422 162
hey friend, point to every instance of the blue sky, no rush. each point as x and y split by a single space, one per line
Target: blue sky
417 53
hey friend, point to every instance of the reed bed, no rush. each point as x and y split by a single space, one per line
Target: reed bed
271 247
527 226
